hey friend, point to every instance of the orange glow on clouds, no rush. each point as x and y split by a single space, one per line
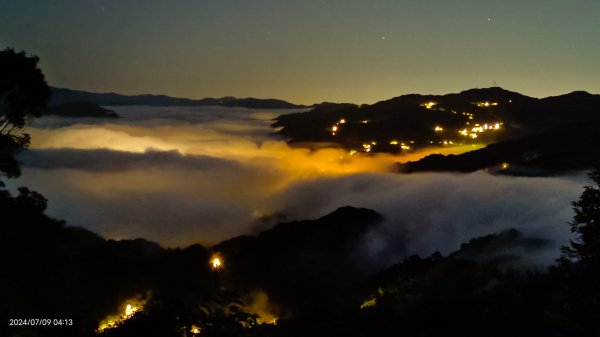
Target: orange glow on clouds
240 168
297 163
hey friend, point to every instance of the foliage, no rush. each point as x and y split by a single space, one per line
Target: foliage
23 90
24 94
586 225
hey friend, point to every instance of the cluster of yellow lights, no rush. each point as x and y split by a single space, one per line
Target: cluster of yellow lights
335 127
216 263
368 147
112 322
480 129
403 145
505 166
369 303
486 104
468 114
372 301
195 329
472 132
130 310
429 105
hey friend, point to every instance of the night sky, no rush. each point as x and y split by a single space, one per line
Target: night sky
310 51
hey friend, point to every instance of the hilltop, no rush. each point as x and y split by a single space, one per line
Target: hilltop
409 122
524 135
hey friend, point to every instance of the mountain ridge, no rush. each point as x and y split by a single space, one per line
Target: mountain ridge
567 148
408 122
64 95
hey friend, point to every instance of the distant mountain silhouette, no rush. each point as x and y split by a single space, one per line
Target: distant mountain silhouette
413 121
62 95
80 109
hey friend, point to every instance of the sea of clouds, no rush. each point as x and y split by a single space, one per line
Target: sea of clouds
183 175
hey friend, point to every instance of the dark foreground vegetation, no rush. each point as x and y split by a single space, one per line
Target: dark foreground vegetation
51 270
317 277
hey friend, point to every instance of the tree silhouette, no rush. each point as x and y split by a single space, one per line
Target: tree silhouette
24 94
586 225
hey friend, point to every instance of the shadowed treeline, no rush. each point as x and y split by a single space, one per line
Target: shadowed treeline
54 271
305 267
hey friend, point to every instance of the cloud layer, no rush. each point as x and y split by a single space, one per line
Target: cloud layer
185 175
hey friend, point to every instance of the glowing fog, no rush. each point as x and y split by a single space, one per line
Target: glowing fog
181 175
